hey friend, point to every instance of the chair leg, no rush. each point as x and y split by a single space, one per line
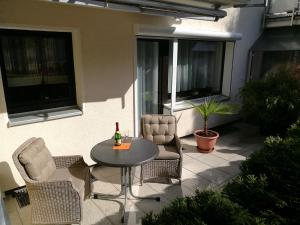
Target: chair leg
141 176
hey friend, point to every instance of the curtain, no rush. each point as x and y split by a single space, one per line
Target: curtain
148 75
34 59
199 66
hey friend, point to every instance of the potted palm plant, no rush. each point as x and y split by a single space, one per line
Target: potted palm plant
205 138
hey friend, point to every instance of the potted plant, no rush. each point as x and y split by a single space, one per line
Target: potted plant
205 138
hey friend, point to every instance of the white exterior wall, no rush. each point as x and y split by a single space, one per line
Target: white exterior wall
104 50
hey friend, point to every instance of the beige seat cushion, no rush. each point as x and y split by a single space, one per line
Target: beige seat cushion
37 160
79 177
167 152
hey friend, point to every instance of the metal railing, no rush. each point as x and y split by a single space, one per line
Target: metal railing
279 10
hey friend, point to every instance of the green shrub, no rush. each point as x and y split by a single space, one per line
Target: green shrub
205 208
273 102
267 192
251 192
269 183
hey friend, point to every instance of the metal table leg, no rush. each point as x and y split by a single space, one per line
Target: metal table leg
125 191
131 192
126 183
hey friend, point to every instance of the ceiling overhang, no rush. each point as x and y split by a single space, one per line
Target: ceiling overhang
196 9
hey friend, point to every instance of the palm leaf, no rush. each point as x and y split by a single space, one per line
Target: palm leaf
211 106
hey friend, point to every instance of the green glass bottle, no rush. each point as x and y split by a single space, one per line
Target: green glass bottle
118 136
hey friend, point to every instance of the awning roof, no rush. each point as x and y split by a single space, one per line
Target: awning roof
278 39
198 9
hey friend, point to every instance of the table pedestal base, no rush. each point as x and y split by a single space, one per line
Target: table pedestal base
126 185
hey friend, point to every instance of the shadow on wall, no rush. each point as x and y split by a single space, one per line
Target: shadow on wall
7 180
247 21
240 21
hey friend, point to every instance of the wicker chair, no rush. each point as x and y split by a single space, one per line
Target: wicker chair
162 130
56 186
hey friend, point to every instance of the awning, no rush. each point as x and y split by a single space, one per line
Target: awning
180 32
197 9
278 39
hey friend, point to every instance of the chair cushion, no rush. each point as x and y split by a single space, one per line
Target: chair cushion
79 177
167 152
159 128
37 160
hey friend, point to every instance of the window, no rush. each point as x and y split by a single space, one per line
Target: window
199 69
37 70
274 59
153 72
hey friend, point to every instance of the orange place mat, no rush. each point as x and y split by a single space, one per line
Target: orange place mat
123 146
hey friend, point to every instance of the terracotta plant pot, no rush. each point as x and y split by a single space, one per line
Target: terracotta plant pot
206 144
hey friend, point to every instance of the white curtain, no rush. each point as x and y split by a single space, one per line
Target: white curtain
199 65
147 63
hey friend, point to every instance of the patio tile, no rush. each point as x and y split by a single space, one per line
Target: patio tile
171 191
15 218
105 171
146 190
194 165
134 215
232 168
187 174
25 215
226 152
147 206
111 209
104 186
200 171
238 158
199 183
209 159
92 215
214 175
10 204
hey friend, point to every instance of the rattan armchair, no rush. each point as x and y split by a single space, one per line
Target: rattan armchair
56 197
162 130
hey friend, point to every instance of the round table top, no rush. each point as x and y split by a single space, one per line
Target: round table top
141 151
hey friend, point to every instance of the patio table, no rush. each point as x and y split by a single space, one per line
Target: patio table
140 151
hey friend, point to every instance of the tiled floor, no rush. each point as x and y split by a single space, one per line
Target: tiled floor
200 171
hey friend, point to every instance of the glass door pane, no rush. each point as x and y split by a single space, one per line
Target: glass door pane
148 53
152 73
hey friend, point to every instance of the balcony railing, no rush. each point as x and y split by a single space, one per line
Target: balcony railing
281 13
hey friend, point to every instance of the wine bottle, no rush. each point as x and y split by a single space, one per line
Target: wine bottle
118 137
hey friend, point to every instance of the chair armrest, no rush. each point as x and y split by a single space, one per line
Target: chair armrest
56 192
178 144
68 161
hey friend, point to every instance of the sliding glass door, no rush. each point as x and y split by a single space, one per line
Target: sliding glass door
152 71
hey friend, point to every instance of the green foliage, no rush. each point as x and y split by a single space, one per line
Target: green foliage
267 192
252 193
211 106
273 102
269 183
205 208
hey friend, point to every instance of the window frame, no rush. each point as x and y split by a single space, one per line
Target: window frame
41 105
180 99
171 98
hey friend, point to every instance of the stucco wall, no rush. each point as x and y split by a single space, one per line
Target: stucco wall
104 53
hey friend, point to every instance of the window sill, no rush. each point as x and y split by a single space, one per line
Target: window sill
43 115
183 105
